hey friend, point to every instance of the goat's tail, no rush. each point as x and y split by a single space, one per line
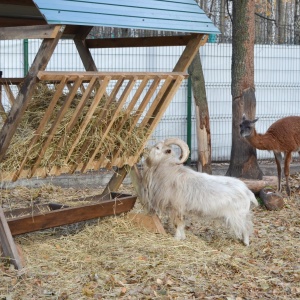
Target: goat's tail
252 198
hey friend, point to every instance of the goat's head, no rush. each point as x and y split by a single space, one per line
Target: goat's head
163 151
247 126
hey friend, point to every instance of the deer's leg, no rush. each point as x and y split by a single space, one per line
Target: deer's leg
287 161
278 160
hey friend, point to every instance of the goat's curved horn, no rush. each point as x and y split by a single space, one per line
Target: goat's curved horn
185 151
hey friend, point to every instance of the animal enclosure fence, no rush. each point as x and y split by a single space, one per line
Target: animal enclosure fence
277 73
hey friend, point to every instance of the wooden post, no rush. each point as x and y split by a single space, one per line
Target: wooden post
115 181
8 246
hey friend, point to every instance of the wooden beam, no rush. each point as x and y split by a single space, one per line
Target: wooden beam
83 32
7 243
85 55
115 181
54 77
13 22
29 32
70 215
189 52
179 40
14 117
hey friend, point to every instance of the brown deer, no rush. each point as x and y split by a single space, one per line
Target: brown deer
281 136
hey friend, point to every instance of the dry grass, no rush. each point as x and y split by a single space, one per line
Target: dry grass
110 258
122 133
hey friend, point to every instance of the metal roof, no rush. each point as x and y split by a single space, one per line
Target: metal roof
167 15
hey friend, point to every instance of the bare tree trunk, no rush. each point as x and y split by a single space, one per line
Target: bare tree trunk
202 115
281 21
243 160
297 23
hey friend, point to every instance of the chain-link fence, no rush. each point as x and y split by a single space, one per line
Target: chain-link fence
277 80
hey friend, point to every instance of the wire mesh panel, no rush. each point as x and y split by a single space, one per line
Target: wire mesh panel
277 73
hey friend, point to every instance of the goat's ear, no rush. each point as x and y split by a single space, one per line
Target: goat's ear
244 117
255 120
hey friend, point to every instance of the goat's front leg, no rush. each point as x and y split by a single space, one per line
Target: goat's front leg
179 223
287 161
278 160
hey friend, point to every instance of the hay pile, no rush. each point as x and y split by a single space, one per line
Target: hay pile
56 154
110 258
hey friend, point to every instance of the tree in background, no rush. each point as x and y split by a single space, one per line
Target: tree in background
243 160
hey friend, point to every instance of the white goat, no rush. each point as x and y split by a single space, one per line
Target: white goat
171 188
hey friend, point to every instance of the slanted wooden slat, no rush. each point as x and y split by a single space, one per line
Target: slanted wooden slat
158 116
156 101
119 106
129 109
85 96
89 115
139 112
42 124
109 101
55 124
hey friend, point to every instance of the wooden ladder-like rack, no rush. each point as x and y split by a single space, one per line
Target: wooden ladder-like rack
142 96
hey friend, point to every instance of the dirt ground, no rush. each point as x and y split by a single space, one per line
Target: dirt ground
111 258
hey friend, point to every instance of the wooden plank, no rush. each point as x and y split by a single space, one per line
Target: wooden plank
129 109
115 114
42 124
89 115
14 117
75 116
29 32
115 181
83 32
71 215
157 41
189 53
85 55
109 101
139 112
55 124
149 222
7 243
155 103
156 118
87 76
12 81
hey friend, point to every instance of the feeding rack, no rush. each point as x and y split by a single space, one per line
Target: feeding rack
65 139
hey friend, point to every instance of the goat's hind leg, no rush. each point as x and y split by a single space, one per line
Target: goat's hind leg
242 227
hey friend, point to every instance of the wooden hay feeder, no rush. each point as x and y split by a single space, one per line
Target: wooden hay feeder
88 120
